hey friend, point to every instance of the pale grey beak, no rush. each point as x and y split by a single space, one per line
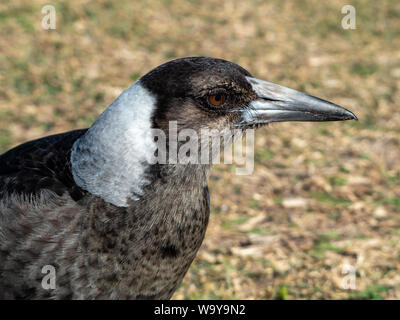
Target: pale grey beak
276 103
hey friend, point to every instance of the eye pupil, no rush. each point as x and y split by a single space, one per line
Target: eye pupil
216 100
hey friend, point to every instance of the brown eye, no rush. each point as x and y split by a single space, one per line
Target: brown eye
216 99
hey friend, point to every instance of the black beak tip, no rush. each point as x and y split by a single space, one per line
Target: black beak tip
350 115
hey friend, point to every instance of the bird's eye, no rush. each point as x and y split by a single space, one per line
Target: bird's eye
216 99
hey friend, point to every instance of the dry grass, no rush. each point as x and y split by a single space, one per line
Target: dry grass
321 196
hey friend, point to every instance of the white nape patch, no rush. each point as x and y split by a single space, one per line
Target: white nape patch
110 160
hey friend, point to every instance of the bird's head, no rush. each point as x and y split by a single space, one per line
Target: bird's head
203 92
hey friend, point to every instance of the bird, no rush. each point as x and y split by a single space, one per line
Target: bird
92 205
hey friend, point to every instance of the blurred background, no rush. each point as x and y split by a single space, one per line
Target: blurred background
322 208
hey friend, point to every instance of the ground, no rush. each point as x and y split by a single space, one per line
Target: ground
323 202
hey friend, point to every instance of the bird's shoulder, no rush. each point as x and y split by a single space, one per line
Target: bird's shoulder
42 164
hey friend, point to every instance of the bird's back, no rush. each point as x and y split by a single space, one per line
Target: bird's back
37 197
39 164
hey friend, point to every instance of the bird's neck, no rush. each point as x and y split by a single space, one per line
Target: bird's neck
110 160
175 193
154 240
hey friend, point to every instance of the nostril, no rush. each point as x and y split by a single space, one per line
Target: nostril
271 99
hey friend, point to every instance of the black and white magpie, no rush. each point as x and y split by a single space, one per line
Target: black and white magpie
90 204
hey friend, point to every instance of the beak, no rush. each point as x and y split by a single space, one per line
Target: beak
276 103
